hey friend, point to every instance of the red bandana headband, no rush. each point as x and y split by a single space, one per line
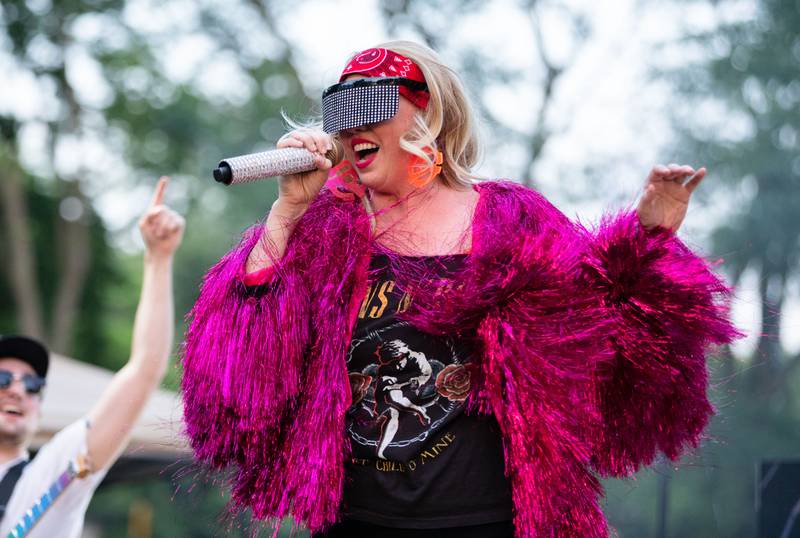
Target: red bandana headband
387 63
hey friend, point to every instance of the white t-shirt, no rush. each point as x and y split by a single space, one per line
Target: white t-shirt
65 516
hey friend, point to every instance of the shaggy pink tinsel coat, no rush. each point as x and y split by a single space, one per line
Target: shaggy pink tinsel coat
592 359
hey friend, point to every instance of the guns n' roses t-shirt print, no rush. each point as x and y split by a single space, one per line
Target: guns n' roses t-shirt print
413 447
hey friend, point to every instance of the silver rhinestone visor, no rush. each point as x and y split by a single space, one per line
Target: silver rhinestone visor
356 106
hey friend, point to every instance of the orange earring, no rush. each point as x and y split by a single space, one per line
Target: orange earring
422 172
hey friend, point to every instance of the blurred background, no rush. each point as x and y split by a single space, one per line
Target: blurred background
578 99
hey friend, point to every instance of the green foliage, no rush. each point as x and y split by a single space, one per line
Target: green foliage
159 126
182 506
710 493
94 341
750 71
155 123
176 512
754 72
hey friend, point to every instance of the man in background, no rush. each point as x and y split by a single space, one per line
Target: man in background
48 496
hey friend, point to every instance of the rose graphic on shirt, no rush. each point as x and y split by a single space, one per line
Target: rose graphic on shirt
453 382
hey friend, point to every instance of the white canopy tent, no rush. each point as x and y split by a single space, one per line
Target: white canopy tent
72 389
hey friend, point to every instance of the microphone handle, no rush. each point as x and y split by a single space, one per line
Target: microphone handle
276 162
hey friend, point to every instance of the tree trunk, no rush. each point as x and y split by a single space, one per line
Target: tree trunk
21 256
768 354
662 508
75 255
538 138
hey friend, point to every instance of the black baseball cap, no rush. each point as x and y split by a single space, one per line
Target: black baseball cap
27 350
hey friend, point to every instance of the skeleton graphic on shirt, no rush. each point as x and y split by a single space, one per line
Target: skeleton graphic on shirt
397 403
401 358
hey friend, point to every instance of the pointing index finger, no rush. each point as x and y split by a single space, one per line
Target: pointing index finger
158 195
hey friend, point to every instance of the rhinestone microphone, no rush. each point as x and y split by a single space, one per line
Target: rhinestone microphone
276 162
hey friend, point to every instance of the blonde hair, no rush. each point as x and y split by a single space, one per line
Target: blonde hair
447 124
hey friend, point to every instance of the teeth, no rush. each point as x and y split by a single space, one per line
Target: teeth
364 146
12 409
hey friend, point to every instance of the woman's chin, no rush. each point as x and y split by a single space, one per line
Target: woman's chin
371 180
380 184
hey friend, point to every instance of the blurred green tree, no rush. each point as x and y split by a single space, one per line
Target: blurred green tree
117 115
39 46
104 68
125 91
434 22
737 112
34 238
754 74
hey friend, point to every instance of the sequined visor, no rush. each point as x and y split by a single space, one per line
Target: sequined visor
362 101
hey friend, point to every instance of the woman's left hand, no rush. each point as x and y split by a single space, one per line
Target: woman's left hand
666 195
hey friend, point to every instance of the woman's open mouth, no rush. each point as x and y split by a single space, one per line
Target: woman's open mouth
365 151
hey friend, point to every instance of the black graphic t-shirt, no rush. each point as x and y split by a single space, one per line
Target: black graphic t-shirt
418 460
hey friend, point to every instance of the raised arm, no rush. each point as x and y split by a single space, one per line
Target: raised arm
114 415
667 307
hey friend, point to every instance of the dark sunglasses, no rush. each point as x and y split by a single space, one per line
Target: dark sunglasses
33 383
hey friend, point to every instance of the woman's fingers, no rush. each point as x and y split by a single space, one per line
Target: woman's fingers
314 141
305 140
657 173
673 172
683 172
695 180
677 172
289 142
301 139
323 141
322 162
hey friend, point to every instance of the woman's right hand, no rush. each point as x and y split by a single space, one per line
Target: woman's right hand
298 190
295 193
